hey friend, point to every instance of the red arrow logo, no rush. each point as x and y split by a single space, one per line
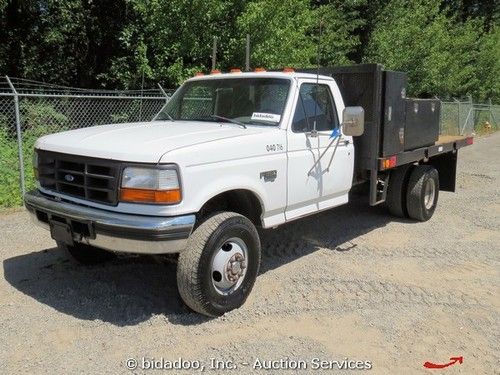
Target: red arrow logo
453 360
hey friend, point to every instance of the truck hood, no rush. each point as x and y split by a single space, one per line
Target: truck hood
143 142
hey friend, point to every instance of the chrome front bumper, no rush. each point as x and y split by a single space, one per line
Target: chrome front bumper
111 230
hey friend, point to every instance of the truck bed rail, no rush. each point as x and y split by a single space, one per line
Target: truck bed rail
444 144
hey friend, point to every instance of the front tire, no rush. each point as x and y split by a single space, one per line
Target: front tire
217 270
86 254
423 192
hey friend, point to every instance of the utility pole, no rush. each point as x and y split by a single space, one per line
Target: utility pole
247 54
214 53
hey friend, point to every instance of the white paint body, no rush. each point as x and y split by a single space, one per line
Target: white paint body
217 157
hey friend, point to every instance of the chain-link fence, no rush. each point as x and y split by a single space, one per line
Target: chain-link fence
463 117
31 109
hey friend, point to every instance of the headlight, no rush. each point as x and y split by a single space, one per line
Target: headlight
150 185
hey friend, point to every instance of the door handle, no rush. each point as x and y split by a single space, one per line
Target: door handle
346 142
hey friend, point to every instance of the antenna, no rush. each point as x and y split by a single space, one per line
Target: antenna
314 132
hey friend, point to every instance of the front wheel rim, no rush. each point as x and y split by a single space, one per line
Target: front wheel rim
229 266
429 194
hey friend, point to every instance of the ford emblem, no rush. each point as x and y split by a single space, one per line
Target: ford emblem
69 178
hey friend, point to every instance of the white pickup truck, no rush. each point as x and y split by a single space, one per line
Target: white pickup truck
229 153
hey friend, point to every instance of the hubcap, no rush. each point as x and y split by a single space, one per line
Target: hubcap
229 266
430 192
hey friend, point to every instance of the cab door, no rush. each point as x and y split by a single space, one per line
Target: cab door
337 163
315 184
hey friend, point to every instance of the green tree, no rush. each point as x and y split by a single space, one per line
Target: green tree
66 42
488 66
486 10
281 32
341 32
170 40
436 50
448 47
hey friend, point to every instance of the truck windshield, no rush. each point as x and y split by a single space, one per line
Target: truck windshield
249 101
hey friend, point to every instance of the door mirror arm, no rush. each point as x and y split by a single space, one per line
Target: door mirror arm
313 133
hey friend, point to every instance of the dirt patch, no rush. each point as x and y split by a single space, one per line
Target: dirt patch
350 283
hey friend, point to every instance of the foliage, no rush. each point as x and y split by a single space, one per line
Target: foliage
65 42
341 26
170 40
10 194
488 67
281 32
10 191
437 53
488 11
448 47
39 118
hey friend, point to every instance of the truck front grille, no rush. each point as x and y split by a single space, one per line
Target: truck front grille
83 177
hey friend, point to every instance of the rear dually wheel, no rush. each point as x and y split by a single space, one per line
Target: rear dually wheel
422 192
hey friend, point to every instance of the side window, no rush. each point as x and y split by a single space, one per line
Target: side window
315 104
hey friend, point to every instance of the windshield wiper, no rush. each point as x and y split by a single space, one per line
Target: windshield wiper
229 120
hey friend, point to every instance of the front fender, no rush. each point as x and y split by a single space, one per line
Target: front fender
203 182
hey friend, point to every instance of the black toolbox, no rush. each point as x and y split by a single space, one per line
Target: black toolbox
393 116
421 123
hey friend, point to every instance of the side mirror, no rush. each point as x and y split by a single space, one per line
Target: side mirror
353 121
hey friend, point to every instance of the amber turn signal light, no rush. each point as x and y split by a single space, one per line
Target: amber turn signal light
150 196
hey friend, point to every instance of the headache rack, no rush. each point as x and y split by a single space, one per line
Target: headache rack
82 177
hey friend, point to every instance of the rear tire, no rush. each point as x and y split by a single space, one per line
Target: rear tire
423 192
218 269
396 191
86 254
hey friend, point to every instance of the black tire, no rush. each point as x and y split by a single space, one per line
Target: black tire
422 177
86 254
194 268
396 191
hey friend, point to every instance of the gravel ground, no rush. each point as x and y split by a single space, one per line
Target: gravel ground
348 283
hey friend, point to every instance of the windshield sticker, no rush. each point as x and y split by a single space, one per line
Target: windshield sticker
266 116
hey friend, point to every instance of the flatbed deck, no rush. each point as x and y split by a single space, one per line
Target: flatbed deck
444 144
450 138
